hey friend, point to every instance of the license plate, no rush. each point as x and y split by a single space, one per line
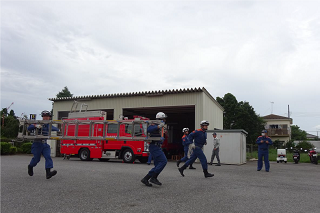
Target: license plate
314 155
295 157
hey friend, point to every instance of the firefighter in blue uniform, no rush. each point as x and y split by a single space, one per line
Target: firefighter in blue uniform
185 143
40 146
159 158
263 142
200 138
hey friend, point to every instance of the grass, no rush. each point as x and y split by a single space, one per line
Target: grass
304 158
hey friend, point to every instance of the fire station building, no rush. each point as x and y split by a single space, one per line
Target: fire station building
184 108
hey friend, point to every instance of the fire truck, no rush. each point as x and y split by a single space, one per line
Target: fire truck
118 141
89 135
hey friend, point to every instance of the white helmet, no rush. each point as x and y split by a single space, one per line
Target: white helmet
161 115
185 129
204 123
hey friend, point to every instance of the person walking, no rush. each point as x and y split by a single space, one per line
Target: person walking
215 151
263 142
40 146
159 158
200 138
185 143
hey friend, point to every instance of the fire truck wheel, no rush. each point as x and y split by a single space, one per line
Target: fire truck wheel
85 154
128 156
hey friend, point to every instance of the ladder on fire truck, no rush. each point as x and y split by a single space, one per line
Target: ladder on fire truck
63 126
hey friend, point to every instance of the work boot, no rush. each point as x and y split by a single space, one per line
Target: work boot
30 170
207 174
154 179
50 174
178 163
181 170
191 167
145 180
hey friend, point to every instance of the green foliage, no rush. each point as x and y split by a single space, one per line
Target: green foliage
297 134
64 93
277 144
13 150
290 144
241 115
26 148
5 148
305 145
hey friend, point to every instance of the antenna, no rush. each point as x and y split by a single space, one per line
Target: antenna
272 107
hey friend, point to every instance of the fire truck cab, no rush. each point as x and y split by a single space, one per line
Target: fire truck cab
110 147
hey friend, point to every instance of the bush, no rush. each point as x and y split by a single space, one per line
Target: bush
26 148
13 150
305 145
5 148
19 150
290 144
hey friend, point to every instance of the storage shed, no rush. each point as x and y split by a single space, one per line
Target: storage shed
232 146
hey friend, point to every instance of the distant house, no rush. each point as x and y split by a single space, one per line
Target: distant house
311 137
278 127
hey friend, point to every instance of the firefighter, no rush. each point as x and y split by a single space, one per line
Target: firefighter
263 142
186 143
200 138
159 158
40 146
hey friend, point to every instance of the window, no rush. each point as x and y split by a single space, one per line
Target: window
112 128
137 129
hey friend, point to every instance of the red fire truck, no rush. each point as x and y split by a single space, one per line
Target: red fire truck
118 141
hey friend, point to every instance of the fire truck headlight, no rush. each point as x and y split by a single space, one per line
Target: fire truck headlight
146 147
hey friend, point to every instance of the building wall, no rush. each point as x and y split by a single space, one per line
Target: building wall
211 113
205 107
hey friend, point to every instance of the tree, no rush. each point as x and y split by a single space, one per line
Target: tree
241 115
64 93
10 126
297 134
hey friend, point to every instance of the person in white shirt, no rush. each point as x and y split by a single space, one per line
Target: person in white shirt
215 151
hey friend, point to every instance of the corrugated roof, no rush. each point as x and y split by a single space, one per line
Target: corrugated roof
145 93
273 116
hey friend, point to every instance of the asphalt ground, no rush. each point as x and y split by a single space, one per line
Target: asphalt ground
114 186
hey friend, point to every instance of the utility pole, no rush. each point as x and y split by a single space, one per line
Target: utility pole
272 107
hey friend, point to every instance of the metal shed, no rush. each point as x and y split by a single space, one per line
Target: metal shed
232 146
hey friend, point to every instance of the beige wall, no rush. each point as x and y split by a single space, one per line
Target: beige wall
205 106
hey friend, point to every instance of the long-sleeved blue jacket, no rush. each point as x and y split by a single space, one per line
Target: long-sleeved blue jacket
199 136
185 140
264 145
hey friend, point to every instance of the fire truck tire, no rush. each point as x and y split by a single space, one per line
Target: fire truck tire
85 155
128 156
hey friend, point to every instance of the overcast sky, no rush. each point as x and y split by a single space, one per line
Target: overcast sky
260 51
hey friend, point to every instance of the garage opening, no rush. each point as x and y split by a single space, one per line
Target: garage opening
179 117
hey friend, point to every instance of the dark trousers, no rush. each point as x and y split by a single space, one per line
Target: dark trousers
159 159
198 153
263 154
185 158
38 149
